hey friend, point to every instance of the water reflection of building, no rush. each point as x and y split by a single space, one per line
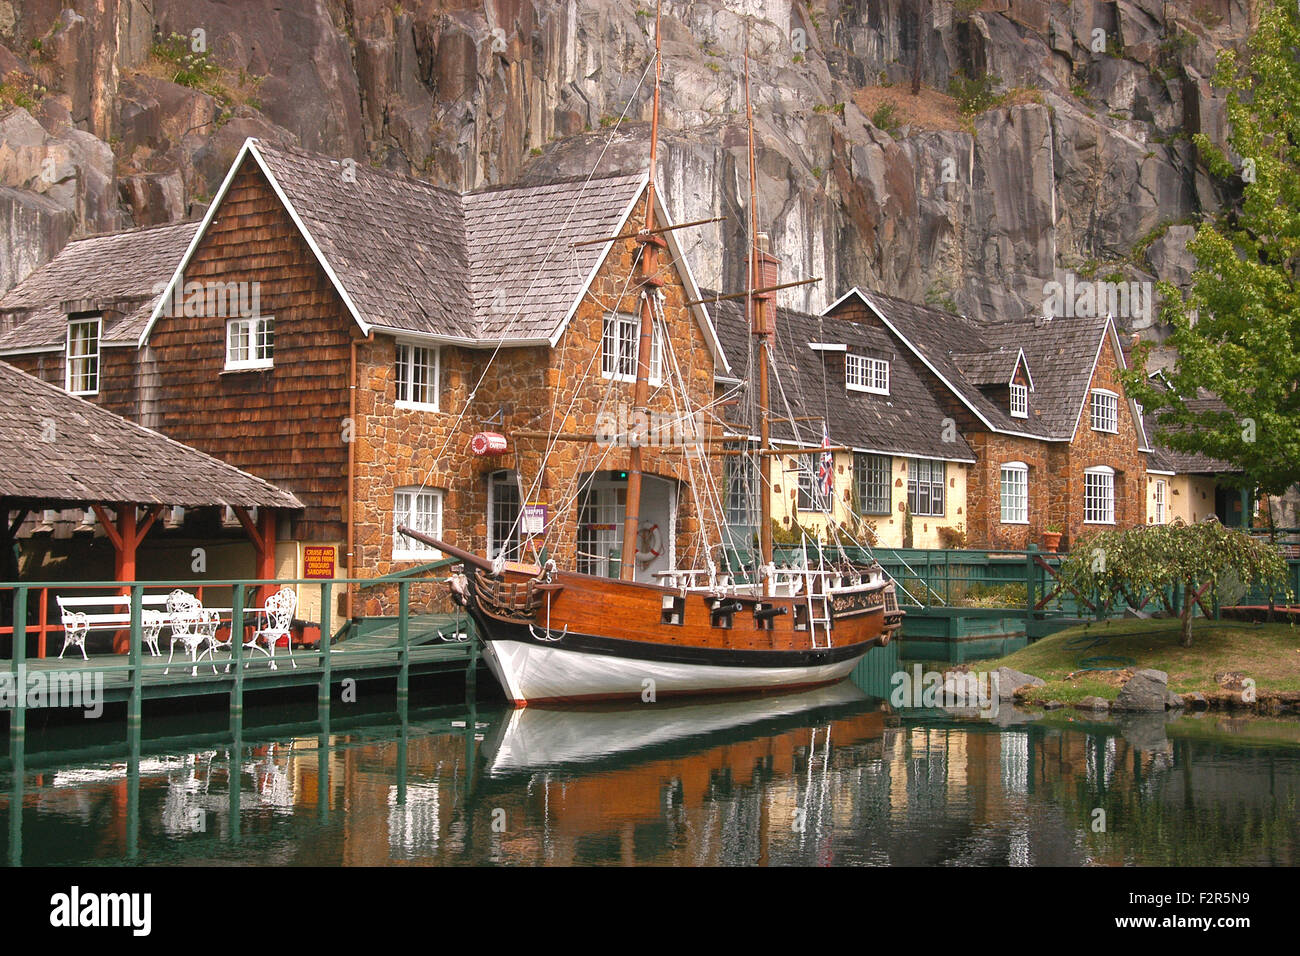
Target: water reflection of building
809 780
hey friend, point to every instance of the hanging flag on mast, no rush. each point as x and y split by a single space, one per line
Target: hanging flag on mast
826 473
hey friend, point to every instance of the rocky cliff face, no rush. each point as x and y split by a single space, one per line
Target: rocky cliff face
1075 155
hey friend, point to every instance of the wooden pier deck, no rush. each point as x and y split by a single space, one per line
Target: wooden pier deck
373 655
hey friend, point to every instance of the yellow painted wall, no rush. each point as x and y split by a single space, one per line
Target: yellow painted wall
1191 497
783 476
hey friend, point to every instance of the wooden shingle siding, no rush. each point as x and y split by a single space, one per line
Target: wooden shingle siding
286 423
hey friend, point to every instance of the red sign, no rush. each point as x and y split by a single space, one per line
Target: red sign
488 443
318 561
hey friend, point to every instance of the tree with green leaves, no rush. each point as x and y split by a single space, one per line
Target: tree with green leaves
1162 559
1237 330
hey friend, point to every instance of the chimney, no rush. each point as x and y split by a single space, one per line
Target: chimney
769 266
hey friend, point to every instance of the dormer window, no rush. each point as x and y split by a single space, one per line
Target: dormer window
82 365
1105 411
862 373
1019 401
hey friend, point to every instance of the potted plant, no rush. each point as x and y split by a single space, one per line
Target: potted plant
1052 537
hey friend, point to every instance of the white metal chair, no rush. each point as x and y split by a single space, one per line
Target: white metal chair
192 626
273 623
75 627
151 625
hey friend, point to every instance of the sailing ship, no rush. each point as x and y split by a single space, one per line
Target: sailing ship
554 634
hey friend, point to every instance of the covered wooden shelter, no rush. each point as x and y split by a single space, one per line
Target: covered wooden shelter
60 451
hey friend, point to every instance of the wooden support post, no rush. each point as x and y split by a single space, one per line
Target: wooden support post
237 657
17 777
326 626
236 774
266 554
18 662
1031 582
403 642
135 651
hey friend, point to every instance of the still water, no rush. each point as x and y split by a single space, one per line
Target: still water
832 776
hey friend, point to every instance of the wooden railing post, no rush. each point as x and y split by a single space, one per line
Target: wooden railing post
237 657
326 632
403 642
135 649
1031 588
18 662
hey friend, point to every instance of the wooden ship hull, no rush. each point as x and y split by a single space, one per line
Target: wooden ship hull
569 636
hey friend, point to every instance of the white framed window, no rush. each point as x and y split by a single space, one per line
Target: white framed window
1015 493
874 475
1105 411
503 515
862 373
1160 498
420 509
1019 401
82 365
619 345
417 370
742 490
250 342
812 496
925 487
1099 495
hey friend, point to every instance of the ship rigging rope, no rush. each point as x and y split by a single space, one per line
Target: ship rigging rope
501 340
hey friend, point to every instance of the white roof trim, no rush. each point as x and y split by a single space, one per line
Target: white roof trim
917 352
688 278
1144 445
249 148
37 349
1022 358
827 347
1154 471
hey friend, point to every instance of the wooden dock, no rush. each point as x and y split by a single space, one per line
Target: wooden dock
376 654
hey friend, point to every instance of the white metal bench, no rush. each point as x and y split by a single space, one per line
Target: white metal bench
109 612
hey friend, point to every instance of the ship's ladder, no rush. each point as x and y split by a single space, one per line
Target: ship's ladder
819 606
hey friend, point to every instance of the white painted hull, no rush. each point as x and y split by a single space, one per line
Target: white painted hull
533 672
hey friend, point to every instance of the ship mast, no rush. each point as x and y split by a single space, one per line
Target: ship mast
650 243
761 327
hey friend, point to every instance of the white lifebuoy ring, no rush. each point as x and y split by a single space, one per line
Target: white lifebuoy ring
649 543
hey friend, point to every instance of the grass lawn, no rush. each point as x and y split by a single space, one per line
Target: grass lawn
1267 653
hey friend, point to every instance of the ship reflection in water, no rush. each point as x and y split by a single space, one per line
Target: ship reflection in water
822 777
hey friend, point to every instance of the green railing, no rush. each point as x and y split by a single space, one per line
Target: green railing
28 614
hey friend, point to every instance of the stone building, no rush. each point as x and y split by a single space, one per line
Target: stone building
343 332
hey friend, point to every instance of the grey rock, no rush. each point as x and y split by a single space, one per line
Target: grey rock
1146 690
1010 680
1174 701
1093 703
1053 705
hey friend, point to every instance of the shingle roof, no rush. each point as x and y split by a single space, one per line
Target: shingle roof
120 270
409 256
498 262
1165 458
526 270
906 422
994 367
97 456
1060 355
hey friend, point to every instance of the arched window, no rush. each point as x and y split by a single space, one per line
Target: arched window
1099 495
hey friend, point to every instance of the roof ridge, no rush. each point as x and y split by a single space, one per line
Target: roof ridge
132 231
541 183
